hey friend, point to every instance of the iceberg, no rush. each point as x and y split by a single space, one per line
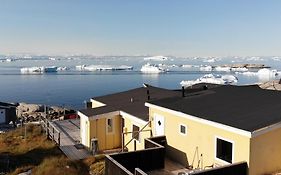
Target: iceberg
80 67
50 69
222 69
62 68
210 78
32 70
156 58
212 60
150 68
262 73
38 70
239 69
206 68
107 68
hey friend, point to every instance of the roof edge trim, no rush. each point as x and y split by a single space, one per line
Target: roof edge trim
266 129
134 118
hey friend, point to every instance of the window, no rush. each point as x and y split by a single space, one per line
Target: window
109 125
183 129
224 150
136 134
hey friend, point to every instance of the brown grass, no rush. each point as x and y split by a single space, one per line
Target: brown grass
41 155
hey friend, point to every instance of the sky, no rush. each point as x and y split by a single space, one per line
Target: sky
140 27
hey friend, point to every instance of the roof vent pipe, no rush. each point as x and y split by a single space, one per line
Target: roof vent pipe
182 91
148 95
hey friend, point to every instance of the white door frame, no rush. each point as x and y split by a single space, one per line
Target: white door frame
159 130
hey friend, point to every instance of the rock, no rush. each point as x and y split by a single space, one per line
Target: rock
23 107
26 173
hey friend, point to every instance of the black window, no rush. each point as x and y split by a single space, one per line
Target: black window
224 150
109 125
136 134
182 129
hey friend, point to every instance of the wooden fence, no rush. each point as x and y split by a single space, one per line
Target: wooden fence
51 131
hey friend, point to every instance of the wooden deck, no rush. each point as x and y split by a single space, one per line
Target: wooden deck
70 138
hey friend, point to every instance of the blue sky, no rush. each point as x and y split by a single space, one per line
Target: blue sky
131 27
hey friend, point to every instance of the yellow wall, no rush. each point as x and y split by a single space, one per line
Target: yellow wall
265 155
97 129
201 136
129 128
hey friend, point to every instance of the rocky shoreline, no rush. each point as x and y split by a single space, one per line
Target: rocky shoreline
32 112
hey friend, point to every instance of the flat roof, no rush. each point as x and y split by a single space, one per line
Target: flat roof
131 101
244 107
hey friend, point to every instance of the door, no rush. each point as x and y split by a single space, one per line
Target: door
2 116
159 125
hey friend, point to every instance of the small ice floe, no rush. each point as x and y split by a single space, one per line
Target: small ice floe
10 60
239 69
222 69
247 73
187 66
53 58
210 78
254 58
276 58
62 68
156 58
150 68
27 57
206 68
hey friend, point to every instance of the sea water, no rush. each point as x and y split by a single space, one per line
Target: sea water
72 88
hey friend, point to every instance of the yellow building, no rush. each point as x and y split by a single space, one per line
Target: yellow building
221 126
204 127
119 120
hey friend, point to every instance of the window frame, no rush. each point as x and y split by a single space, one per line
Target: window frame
232 150
139 139
112 127
180 125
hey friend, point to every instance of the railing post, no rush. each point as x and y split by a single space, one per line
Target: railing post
47 129
135 145
53 133
123 142
59 138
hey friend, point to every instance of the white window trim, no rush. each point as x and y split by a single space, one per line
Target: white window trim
138 141
215 147
113 127
184 134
